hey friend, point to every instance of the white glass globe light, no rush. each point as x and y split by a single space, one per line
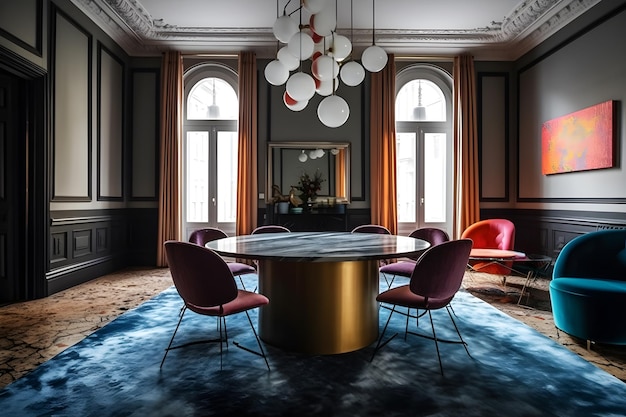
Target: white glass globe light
314 6
276 73
290 61
374 58
324 68
316 38
341 48
323 45
352 73
324 22
333 111
325 88
320 152
313 154
300 86
301 46
292 104
300 105
302 157
284 28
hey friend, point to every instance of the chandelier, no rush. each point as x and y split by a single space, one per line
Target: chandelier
331 59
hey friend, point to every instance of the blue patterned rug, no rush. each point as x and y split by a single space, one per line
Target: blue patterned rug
513 371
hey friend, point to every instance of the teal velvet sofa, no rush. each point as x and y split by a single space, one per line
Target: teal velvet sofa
588 287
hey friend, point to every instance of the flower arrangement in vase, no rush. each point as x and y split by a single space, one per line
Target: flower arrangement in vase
309 186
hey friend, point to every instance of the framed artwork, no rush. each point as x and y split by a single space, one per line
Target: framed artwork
580 141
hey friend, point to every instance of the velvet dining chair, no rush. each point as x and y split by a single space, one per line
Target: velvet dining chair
371 228
207 234
207 286
435 280
270 228
404 268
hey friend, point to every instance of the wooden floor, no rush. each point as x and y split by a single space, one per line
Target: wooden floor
35 331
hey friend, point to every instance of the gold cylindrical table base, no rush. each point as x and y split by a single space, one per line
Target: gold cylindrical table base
319 307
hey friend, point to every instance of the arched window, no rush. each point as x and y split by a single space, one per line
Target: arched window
420 100
424 148
212 98
210 148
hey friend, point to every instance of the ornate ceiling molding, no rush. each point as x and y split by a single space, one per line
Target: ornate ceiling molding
129 24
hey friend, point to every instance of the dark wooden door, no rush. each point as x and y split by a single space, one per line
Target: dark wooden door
12 187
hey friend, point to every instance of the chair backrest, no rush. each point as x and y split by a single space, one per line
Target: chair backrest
491 234
600 254
371 228
439 272
271 228
202 236
431 235
200 275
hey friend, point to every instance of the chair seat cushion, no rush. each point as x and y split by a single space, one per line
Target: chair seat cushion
240 268
245 300
403 296
590 286
402 268
590 309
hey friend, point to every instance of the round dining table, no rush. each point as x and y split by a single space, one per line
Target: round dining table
322 286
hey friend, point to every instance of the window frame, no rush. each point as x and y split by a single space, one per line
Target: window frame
192 76
443 80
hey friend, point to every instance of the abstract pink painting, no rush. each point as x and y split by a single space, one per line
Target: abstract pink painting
579 141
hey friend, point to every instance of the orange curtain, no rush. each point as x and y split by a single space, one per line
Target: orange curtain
169 221
340 174
383 147
247 184
465 144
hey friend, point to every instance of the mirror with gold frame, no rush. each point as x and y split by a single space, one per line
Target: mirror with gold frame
288 161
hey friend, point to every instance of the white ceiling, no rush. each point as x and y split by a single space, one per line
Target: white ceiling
489 29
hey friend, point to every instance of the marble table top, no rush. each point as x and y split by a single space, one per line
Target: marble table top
318 246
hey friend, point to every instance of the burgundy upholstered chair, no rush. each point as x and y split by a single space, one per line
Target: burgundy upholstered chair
432 235
271 228
207 286
371 228
491 234
202 236
435 280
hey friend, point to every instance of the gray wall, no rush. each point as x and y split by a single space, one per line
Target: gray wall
279 124
587 70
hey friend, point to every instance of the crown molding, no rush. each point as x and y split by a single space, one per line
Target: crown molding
531 22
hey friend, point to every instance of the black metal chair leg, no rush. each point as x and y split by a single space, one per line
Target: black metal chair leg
378 344
256 336
432 325
182 313
457 331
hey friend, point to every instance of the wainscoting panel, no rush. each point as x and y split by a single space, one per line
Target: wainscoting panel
86 244
102 239
545 232
58 248
72 68
110 125
145 135
24 31
493 127
82 243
